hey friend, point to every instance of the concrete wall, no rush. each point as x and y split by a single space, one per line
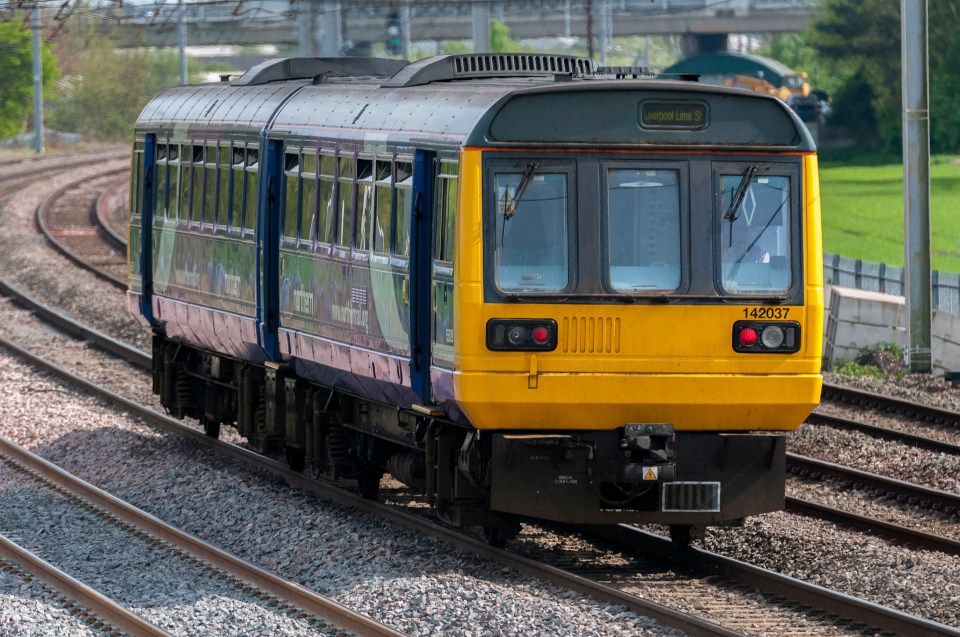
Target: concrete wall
859 318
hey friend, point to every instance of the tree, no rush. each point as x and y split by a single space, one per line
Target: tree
860 39
16 76
500 41
105 88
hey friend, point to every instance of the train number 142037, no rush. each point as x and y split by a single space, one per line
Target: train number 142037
766 312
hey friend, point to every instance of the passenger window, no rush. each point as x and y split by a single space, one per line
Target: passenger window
252 169
531 241
643 229
239 188
223 194
185 183
755 233
365 184
308 197
136 170
446 212
403 178
384 204
345 184
326 204
291 201
210 186
162 169
174 177
196 185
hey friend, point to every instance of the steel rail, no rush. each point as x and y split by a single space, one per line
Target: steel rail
905 491
884 433
100 605
299 596
900 534
100 216
777 584
34 175
118 348
43 211
582 585
676 619
889 403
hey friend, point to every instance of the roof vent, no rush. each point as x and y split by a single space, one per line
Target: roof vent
479 65
622 72
286 69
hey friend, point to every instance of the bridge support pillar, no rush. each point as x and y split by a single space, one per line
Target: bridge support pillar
696 43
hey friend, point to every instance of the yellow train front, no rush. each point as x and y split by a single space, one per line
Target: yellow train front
639 301
520 284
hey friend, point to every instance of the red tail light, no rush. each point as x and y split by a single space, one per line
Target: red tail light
763 337
522 335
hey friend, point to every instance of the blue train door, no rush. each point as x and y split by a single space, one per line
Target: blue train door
146 167
268 245
421 272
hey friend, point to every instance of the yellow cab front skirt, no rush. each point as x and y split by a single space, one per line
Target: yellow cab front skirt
605 401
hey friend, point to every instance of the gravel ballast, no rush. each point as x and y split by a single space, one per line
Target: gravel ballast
413 583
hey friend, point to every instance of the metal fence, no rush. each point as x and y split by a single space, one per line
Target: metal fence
880 277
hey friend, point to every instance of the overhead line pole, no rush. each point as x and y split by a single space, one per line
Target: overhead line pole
405 29
37 80
916 180
481 27
182 42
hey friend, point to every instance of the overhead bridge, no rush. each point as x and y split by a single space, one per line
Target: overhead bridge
276 22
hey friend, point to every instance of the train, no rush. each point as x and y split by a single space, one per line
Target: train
524 285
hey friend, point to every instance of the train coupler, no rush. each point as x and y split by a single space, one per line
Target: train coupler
647 453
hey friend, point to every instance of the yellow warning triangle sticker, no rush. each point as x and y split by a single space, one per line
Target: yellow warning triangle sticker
651 474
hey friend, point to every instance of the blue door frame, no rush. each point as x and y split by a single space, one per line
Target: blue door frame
147 196
268 245
421 268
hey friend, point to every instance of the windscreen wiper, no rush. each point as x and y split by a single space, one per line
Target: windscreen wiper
737 201
511 208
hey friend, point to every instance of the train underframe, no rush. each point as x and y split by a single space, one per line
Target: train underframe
639 473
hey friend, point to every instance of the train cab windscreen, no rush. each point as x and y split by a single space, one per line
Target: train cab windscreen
643 229
532 252
755 232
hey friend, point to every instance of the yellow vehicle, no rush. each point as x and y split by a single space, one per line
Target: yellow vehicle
794 84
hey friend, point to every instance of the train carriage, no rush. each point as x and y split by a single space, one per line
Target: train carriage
522 284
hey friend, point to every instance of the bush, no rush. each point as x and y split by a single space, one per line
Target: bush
851 368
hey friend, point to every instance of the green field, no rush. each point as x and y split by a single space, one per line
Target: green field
863 212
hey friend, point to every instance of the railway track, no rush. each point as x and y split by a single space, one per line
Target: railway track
771 615
861 398
14 176
948 630
88 605
74 221
613 594
97 514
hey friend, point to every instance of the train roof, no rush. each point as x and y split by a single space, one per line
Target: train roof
497 100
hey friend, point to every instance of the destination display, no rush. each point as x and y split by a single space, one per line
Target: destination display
658 114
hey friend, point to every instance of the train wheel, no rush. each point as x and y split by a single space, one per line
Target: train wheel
368 483
210 427
497 535
681 534
494 536
296 458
